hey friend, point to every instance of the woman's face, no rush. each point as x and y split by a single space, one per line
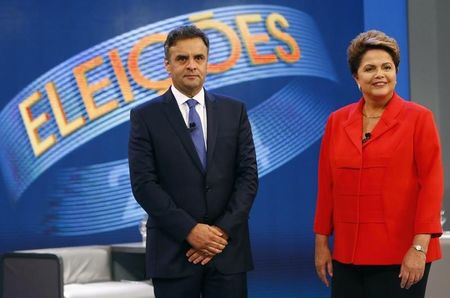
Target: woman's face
376 75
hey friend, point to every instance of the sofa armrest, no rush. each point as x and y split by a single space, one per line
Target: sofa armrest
24 275
127 265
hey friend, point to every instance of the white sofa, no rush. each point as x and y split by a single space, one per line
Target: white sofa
70 272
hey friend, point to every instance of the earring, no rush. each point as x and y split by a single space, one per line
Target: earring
359 86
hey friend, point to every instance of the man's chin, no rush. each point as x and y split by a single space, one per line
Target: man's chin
192 85
190 89
192 82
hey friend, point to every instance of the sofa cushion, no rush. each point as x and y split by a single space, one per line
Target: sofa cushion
83 264
112 289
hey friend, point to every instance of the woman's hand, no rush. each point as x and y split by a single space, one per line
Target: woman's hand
413 264
323 259
412 268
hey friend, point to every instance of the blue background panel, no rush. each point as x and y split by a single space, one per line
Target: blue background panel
77 192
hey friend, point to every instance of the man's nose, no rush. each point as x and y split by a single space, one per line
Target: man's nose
191 63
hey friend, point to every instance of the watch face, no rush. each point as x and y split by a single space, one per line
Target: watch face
419 248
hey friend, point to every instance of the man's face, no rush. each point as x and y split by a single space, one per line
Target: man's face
187 65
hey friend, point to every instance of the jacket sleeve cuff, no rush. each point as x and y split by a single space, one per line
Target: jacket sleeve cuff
434 229
327 231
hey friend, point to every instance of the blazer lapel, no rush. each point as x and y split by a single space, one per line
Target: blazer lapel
388 119
353 125
211 111
177 122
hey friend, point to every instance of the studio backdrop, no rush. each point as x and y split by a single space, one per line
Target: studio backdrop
71 72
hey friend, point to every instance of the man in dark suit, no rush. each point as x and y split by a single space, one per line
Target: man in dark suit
193 170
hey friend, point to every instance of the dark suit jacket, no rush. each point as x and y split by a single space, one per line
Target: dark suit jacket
169 183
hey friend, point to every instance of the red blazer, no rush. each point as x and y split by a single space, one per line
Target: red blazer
400 167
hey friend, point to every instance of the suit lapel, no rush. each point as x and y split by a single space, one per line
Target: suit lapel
211 111
176 120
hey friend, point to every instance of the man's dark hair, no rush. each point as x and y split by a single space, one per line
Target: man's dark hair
184 32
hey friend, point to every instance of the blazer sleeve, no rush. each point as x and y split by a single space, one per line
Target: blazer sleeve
428 160
323 221
146 187
246 181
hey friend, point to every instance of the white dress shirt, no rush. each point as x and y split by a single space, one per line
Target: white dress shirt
184 108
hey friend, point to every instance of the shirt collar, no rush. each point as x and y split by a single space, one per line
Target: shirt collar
181 98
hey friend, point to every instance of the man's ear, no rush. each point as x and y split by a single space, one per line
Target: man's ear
167 65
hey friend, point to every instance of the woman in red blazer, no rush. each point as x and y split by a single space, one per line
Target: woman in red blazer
380 184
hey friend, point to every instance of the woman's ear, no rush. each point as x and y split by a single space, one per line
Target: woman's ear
357 84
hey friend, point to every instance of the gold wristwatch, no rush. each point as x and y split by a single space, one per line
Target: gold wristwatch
420 248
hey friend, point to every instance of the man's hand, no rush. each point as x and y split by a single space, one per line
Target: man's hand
224 235
204 255
198 256
206 239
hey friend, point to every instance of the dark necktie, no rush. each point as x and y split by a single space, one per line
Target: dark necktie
195 128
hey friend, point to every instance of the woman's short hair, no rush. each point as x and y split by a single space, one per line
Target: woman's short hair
369 40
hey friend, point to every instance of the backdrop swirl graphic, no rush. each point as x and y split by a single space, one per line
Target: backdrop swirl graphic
284 124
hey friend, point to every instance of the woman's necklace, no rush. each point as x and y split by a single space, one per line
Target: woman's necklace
371 117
